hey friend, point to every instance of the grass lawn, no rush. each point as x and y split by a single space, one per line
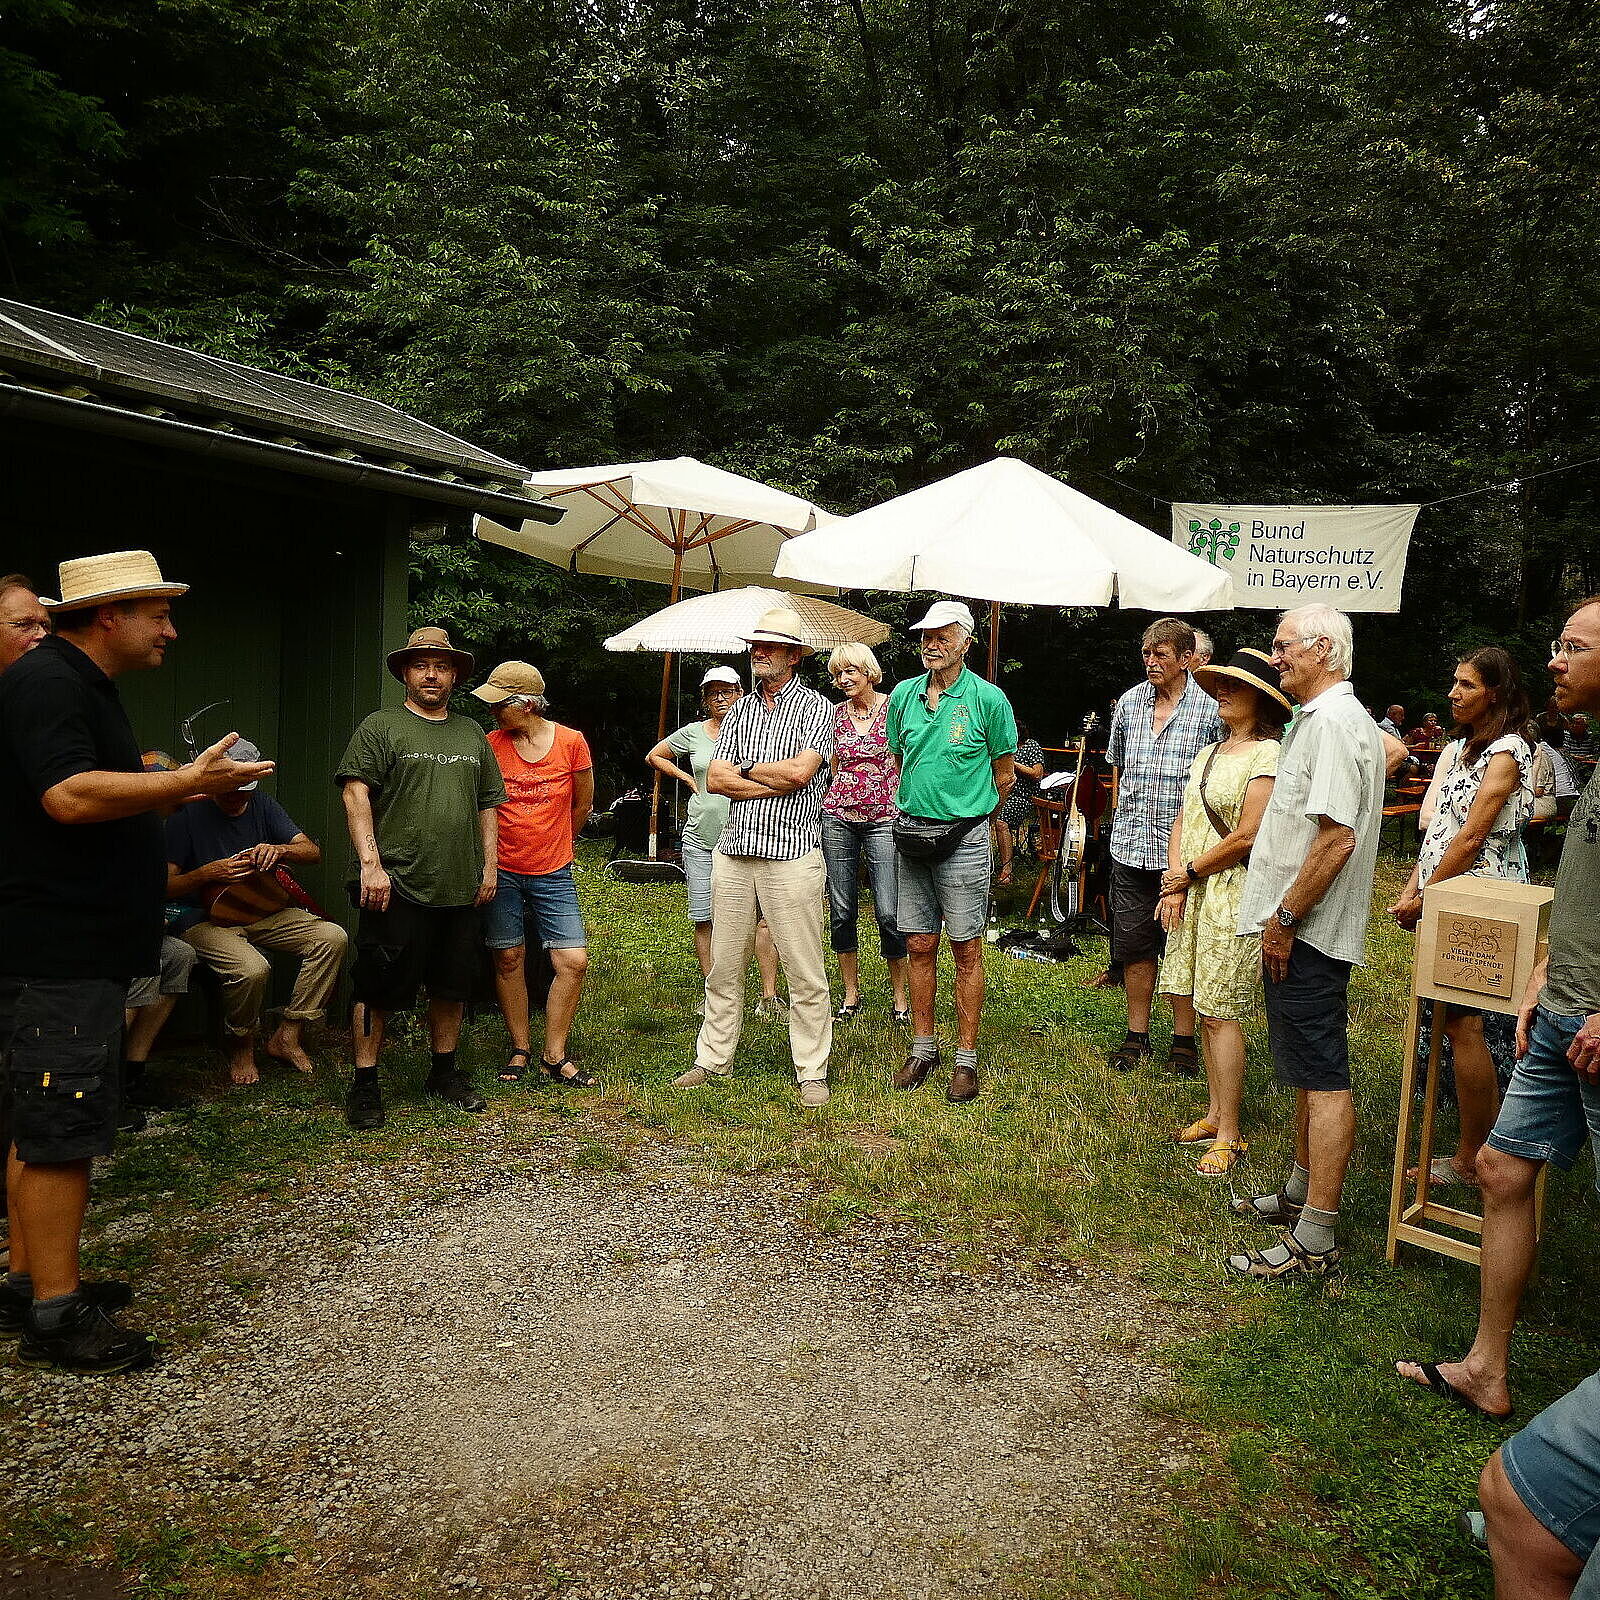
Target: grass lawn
1329 1477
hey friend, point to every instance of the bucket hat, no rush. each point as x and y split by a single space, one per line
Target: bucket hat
1246 666
508 679
428 641
122 575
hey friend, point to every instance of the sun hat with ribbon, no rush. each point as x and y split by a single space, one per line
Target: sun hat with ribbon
779 626
428 641
509 679
122 575
1253 667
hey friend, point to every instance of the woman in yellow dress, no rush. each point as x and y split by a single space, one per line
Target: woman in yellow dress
1229 785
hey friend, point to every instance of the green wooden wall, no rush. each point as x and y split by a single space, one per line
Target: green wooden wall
298 589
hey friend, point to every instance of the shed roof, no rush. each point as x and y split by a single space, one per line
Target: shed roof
103 378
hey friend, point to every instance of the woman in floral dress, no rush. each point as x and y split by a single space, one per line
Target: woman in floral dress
1480 799
858 815
1206 958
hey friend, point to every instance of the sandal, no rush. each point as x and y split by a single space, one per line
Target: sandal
846 1011
1440 1385
510 1073
1284 1213
1221 1158
1314 1264
1200 1131
1443 1174
576 1079
903 1017
1183 1059
1128 1055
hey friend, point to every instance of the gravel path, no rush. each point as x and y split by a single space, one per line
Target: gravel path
547 1378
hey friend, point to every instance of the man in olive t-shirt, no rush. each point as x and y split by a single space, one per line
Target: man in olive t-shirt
420 790
1553 1103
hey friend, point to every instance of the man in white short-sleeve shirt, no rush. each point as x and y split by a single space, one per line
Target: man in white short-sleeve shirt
1308 894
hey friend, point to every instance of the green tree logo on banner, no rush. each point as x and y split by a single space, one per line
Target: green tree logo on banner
1214 541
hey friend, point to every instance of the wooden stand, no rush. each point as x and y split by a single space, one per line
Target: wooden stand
1408 1223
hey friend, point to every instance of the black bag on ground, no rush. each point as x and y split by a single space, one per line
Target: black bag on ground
930 840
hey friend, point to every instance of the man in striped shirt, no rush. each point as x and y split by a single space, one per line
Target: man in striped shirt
771 761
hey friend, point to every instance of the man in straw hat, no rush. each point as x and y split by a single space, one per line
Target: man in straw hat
955 737
1308 895
82 880
420 790
771 761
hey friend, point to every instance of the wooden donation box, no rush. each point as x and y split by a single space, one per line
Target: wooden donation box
1477 945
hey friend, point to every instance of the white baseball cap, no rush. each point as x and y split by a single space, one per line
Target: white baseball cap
721 675
942 613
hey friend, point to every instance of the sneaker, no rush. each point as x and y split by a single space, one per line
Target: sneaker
110 1294
88 1340
130 1119
363 1106
813 1093
693 1078
772 1006
455 1088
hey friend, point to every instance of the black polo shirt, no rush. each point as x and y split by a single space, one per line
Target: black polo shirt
76 900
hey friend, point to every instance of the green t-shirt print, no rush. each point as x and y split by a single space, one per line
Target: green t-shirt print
429 780
947 756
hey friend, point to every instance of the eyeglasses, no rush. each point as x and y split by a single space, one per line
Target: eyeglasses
1569 648
1280 647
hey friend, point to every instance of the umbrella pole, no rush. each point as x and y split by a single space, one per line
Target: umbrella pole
994 641
661 719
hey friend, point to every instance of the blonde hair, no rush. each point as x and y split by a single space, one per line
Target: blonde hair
858 656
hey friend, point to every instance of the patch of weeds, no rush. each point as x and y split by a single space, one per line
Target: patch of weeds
593 1156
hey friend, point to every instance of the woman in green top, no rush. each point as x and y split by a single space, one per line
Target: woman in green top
697 741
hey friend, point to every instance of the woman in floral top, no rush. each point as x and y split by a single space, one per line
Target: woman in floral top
858 821
1480 799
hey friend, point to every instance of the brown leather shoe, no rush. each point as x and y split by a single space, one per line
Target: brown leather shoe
915 1072
963 1085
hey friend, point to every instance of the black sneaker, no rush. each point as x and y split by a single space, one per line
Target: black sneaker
130 1119
110 1294
363 1106
455 1088
89 1340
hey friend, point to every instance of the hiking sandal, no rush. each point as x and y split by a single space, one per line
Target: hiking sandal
1128 1055
1284 1213
576 1079
1311 1263
510 1072
1221 1158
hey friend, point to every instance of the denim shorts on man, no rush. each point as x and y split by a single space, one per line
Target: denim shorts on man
955 890
534 907
1308 1021
1135 894
1548 1110
696 862
60 1053
409 947
1554 1465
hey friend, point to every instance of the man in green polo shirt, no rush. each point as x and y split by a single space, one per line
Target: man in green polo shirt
954 735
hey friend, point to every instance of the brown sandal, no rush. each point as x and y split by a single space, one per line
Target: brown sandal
1314 1264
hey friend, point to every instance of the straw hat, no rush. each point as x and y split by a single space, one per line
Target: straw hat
122 575
432 641
1253 667
510 678
779 626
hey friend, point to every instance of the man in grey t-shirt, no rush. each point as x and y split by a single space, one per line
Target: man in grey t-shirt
1553 1103
1308 894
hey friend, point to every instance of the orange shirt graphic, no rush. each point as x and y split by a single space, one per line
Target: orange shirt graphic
536 819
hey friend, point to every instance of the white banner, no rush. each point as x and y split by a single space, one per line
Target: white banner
1279 557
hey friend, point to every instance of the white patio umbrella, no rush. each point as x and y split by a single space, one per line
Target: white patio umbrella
718 623
1006 531
677 522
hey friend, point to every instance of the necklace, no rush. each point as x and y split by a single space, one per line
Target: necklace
863 719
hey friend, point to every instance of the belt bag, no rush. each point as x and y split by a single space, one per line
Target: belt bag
930 840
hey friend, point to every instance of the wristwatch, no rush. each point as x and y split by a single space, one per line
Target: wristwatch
746 770
1286 918
1194 877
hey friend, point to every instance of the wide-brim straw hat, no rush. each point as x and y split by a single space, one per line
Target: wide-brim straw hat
122 575
1253 667
779 626
428 641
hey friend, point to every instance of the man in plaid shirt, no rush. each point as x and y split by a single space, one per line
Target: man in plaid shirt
1158 728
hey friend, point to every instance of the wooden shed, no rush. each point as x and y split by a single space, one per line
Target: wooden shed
287 506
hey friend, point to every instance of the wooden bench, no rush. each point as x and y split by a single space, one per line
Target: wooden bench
1399 815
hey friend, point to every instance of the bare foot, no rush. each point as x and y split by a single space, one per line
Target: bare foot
1490 1393
290 1050
242 1071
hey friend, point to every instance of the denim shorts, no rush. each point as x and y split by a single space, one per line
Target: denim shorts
1548 1110
954 891
1554 1465
60 1056
696 861
544 902
1308 1021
